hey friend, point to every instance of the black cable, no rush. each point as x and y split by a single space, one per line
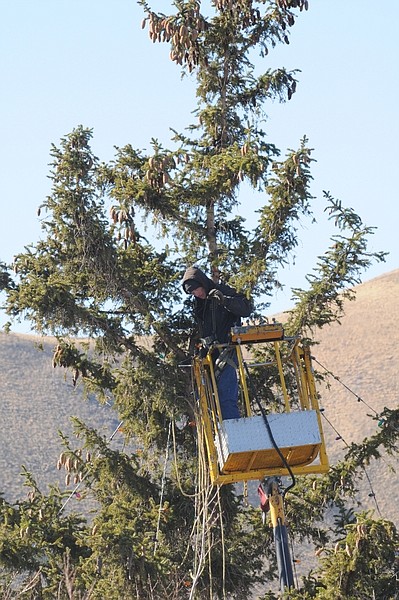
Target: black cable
269 430
372 492
293 561
358 398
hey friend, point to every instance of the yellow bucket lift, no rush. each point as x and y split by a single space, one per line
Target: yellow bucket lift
289 441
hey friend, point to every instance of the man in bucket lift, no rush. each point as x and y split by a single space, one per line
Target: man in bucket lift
218 308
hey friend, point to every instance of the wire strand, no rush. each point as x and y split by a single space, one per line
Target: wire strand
372 492
358 398
162 488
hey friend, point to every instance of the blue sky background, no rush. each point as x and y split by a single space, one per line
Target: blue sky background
70 62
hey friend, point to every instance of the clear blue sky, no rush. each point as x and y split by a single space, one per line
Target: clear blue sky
70 62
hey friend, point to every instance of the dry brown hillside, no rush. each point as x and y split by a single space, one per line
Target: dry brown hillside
363 353
36 400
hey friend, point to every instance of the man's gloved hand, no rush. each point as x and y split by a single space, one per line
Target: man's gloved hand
216 295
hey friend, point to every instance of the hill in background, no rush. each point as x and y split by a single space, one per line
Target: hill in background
363 353
37 400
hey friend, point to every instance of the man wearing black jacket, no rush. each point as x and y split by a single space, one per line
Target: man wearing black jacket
218 308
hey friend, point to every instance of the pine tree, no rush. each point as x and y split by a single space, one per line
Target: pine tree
125 331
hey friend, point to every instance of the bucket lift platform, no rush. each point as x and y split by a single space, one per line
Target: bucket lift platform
258 446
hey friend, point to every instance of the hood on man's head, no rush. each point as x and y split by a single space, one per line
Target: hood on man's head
194 274
190 285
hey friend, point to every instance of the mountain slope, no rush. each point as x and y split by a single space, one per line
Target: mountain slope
37 402
363 353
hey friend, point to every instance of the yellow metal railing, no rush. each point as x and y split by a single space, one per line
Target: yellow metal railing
293 357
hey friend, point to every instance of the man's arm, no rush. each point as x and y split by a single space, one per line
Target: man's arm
238 305
234 302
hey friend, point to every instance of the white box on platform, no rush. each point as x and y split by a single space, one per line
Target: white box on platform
245 444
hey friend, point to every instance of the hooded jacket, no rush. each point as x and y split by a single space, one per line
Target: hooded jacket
215 320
